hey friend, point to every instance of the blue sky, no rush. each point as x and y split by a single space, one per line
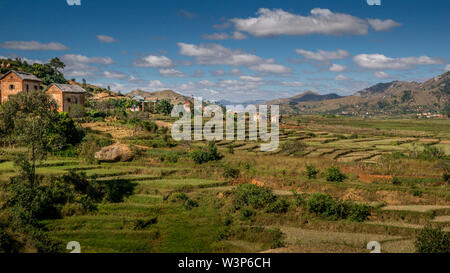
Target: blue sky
234 50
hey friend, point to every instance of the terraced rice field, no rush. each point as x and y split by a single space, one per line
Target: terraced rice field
400 210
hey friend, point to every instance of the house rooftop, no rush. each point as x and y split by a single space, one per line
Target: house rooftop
68 88
138 98
22 75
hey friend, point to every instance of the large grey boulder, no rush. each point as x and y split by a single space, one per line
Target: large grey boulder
115 152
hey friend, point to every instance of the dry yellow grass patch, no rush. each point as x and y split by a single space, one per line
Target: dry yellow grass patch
116 132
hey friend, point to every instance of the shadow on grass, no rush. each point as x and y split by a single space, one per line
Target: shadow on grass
118 189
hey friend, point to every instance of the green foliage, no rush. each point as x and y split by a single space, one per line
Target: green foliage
230 148
396 181
90 145
279 206
430 153
116 190
65 132
247 213
432 240
149 126
142 224
256 197
77 111
8 244
325 206
178 196
446 177
210 153
230 172
181 197
190 204
46 198
417 192
48 73
164 107
334 174
28 119
311 172
295 148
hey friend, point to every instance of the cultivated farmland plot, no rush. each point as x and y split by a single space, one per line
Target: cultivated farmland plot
176 205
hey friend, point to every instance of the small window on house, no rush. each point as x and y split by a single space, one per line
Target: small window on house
28 88
68 99
76 100
35 87
11 87
11 77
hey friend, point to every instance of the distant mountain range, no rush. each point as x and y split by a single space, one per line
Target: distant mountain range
392 98
171 96
308 96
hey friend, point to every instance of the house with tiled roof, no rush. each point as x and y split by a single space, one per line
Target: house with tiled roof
14 82
66 95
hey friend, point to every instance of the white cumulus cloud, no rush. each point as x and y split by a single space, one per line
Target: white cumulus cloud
323 55
337 68
170 72
114 75
271 68
251 78
215 54
341 77
320 21
381 62
383 25
154 61
106 39
381 74
77 58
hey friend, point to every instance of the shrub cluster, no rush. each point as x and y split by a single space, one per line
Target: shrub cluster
230 172
210 153
433 240
334 174
311 172
430 153
249 195
181 197
51 197
332 209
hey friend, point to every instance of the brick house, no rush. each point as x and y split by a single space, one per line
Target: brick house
66 95
14 82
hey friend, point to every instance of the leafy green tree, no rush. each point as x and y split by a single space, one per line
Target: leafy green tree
28 119
164 107
57 64
48 73
334 174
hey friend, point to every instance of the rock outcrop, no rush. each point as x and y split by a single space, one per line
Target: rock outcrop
115 152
